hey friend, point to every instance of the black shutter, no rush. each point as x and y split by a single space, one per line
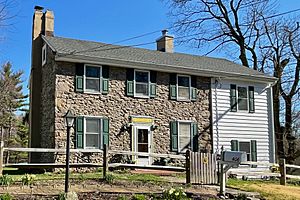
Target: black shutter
194 134
129 82
153 75
253 152
233 98
173 88
234 145
79 77
105 79
251 99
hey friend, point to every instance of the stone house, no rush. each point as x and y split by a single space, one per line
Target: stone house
143 100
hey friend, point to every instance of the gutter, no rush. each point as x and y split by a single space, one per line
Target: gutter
163 68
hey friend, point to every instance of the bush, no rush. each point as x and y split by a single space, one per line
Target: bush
109 178
241 197
138 197
175 194
6 197
69 195
61 196
122 197
6 180
28 179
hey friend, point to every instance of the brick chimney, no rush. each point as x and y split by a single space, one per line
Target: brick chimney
165 43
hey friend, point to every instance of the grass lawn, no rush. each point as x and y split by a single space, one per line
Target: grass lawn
271 190
118 175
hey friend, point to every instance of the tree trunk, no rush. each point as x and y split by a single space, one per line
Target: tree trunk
277 129
289 131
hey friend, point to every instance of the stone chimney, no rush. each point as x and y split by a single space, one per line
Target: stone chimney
43 23
165 43
49 23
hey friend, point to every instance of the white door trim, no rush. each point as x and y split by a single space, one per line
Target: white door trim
136 127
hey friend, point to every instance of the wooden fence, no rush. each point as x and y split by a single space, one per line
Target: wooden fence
201 168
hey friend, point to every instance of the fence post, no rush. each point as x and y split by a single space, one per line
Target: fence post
282 169
188 166
1 156
105 160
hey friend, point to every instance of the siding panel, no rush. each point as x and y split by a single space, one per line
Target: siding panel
241 125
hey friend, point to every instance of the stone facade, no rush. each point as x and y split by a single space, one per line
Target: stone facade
59 95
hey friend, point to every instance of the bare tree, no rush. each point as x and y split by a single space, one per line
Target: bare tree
264 43
7 15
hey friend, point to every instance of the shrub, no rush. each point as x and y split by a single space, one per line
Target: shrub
28 179
69 195
109 178
138 197
241 197
6 180
175 194
122 197
61 196
6 197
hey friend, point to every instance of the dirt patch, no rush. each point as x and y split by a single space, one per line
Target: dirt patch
94 189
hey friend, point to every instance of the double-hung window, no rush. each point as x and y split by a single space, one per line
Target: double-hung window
242 98
91 132
249 147
92 78
183 87
141 83
184 136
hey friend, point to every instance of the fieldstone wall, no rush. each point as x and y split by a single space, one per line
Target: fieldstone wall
47 116
118 107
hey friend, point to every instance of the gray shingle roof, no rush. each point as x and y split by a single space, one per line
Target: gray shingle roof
69 47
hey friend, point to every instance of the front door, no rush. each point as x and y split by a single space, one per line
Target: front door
143 144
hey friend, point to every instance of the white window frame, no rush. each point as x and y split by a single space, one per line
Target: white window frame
178 138
84 80
85 132
190 88
44 54
249 146
134 84
237 97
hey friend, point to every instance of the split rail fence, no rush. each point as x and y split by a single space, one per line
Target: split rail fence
200 168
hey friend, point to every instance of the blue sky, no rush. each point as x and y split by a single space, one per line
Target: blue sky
103 21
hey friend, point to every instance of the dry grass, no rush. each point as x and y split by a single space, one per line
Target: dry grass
269 190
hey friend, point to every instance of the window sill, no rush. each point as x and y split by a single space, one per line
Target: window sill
141 96
184 100
91 92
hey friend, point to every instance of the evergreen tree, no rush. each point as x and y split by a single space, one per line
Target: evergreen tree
12 99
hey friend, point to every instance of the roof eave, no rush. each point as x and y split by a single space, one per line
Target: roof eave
164 68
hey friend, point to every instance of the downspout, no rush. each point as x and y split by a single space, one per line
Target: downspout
217 115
